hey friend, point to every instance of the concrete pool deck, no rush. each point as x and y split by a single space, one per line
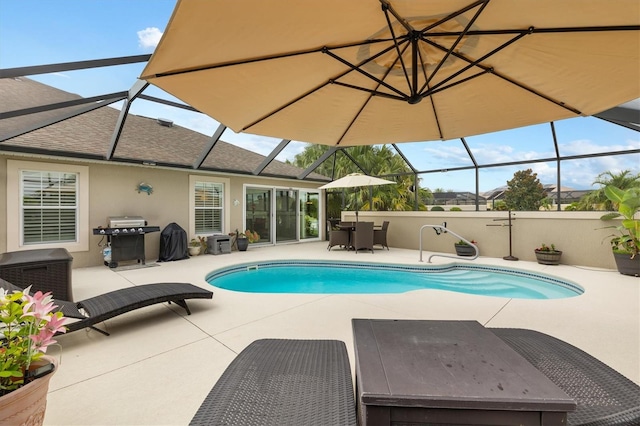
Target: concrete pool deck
159 364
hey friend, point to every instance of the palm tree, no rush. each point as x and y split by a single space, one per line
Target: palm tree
374 160
597 200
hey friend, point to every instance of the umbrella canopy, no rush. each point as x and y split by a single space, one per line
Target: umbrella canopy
366 72
354 180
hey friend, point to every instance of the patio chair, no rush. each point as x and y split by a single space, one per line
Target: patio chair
363 236
97 309
603 396
380 235
283 382
337 237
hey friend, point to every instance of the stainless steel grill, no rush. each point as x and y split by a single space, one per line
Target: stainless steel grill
125 234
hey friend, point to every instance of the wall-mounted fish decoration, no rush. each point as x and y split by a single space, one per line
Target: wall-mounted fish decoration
144 187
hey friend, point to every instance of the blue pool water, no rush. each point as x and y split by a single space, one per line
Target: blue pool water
321 277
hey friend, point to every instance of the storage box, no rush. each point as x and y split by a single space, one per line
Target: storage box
225 247
218 244
42 269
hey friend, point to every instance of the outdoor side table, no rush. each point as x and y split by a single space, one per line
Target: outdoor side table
42 269
448 372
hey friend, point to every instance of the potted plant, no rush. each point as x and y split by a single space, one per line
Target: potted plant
203 245
28 324
244 238
464 249
252 236
548 255
194 247
625 245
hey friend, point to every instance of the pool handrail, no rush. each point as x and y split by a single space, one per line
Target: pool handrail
444 228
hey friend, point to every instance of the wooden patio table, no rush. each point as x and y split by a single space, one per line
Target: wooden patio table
424 372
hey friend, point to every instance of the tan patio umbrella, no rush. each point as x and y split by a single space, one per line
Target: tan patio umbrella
355 180
363 72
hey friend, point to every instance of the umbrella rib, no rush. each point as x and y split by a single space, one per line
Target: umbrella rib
280 108
464 80
436 117
333 81
458 40
265 58
539 30
455 14
493 71
373 93
388 9
535 92
363 72
471 63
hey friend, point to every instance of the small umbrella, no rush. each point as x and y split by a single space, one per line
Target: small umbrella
355 180
367 72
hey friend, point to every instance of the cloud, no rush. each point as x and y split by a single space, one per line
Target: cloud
149 38
586 146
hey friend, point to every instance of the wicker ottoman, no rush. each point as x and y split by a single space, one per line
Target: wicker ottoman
283 382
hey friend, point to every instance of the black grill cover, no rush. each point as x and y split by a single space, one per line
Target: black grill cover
173 243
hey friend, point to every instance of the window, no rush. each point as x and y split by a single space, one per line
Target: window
208 208
209 205
49 206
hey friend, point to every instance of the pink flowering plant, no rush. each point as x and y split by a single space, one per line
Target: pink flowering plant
27 326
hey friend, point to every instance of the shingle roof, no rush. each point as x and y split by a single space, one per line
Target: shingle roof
142 138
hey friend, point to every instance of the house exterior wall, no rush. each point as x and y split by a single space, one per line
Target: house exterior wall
112 192
580 235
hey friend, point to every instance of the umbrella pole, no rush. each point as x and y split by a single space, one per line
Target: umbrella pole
356 201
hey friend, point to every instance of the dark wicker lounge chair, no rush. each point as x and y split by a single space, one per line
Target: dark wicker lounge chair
91 311
283 382
604 396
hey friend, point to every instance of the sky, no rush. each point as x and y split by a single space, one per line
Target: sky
39 32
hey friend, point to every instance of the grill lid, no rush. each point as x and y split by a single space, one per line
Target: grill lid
126 221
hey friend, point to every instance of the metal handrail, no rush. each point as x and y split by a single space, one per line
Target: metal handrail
445 229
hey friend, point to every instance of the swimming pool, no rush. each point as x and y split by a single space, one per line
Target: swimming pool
325 277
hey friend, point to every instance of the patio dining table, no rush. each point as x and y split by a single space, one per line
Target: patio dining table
349 227
448 372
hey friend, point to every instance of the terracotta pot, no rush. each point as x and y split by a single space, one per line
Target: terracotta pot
626 265
548 257
26 405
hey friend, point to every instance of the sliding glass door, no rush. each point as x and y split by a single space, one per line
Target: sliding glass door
286 217
281 215
258 212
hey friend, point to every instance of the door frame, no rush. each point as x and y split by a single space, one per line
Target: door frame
272 213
